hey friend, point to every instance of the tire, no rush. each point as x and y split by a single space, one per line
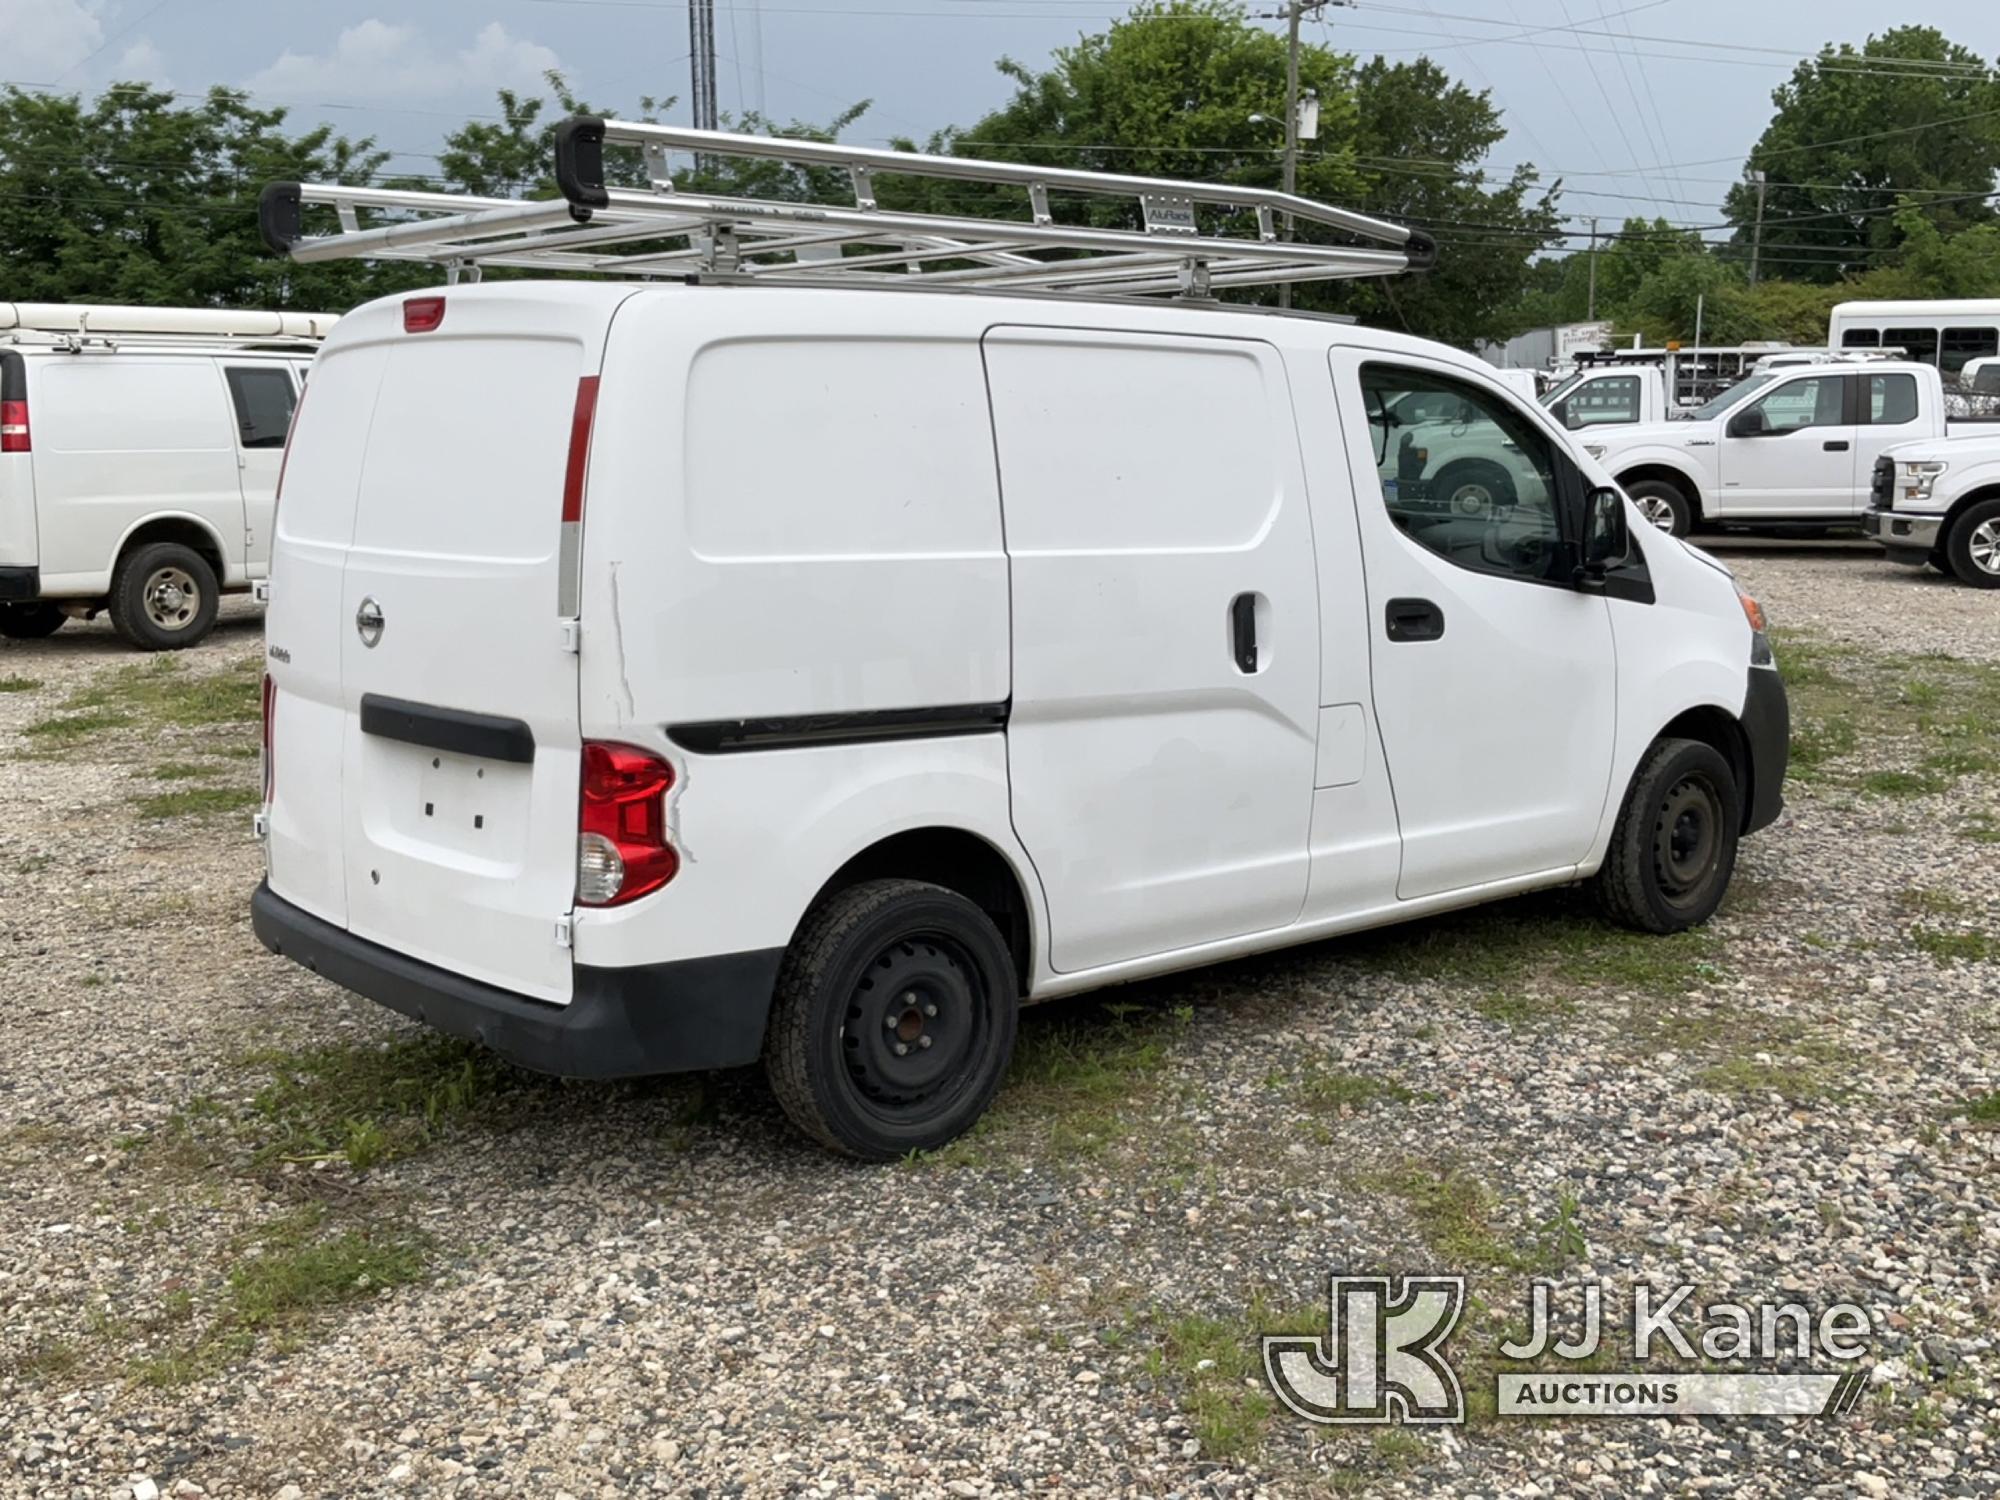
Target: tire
1484 486
30 622
1664 505
878 966
163 597
1973 548
1674 846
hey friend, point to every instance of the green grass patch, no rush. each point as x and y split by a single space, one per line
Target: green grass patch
1984 1110
186 770
291 1273
1324 1090
69 729
1795 1079
160 690
1952 947
361 1105
196 801
1454 1211
44 1362
17 684
1931 900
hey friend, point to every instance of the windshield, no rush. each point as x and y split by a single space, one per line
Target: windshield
1562 390
1729 398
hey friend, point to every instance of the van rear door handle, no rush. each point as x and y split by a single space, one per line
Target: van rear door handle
1835 445
1414 620
1243 632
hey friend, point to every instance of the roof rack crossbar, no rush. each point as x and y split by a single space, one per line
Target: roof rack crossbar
1190 237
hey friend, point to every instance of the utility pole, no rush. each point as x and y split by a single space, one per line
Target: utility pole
1590 314
701 62
1757 234
1294 9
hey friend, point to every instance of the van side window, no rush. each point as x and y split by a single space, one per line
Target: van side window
1962 345
1917 344
1464 473
1805 403
264 400
1861 338
1892 400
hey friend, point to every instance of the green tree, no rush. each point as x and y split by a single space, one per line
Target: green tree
1191 89
1908 111
133 199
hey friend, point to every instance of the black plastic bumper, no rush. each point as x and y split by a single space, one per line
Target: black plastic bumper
20 585
620 1023
1767 725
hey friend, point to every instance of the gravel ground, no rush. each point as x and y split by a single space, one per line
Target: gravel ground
266 1240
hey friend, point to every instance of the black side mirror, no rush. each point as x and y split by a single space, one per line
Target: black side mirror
1750 423
1602 538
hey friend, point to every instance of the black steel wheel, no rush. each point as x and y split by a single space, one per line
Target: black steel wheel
893 1019
1673 848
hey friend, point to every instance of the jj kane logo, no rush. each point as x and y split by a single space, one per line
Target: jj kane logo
1382 1361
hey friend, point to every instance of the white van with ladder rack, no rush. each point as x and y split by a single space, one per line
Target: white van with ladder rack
139 455
855 624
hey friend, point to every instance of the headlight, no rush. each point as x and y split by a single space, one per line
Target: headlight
1595 450
1919 477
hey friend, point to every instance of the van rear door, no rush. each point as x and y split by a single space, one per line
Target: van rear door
460 761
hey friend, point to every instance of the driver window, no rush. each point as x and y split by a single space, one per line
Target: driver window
1464 473
1804 403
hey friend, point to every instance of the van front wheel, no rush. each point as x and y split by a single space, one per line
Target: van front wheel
163 597
1674 846
893 1019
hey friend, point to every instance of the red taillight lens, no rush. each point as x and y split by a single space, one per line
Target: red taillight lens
422 314
14 427
579 447
270 718
621 847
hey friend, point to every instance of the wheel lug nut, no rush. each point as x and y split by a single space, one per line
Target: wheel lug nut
888 1023
923 1041
901 1050
930 1010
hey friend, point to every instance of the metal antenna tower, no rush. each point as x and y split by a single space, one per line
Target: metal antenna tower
701 62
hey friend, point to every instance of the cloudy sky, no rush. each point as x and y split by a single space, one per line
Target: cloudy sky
1641 105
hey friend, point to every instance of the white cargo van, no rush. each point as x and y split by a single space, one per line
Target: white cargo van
139 454
672 676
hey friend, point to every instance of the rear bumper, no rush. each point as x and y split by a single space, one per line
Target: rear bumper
20 585
620 1023
1767 725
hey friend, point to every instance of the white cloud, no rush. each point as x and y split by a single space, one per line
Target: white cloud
142 62
383 60
41 39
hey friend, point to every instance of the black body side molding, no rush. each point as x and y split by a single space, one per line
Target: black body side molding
452 729
726 736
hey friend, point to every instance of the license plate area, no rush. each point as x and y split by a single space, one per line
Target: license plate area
458 809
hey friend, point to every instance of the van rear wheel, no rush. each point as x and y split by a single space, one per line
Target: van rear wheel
163 597
30 622
1674 846
893 1019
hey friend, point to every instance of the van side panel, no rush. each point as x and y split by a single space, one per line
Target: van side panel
122 438
799 527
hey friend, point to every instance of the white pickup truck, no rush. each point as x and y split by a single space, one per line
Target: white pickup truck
1937 504
1791 446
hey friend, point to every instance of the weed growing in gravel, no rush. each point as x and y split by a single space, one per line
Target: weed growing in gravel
1980 828
1953 947
1931 900
18 684
1811 1070
62 730
162 691
1984 1110
1330 1091
363 1105
1454 1214
196 801
186 770
45 1361
290 1274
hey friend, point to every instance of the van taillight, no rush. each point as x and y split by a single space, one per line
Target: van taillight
621 845
422 314
14 427
270 718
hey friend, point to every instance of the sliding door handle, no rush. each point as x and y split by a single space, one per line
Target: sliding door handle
1414 620
1243 632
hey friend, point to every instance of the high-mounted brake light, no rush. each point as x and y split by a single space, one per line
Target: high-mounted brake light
621 847
14 427
270 723
422 314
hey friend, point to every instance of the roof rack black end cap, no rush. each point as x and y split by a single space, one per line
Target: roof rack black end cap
280 215
1421 249
580 161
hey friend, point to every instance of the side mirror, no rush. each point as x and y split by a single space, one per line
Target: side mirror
1602 538
1749 423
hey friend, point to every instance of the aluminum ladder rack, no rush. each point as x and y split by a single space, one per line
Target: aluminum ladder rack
1195 238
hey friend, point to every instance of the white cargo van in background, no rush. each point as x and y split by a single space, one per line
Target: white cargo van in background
139 456
670 676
